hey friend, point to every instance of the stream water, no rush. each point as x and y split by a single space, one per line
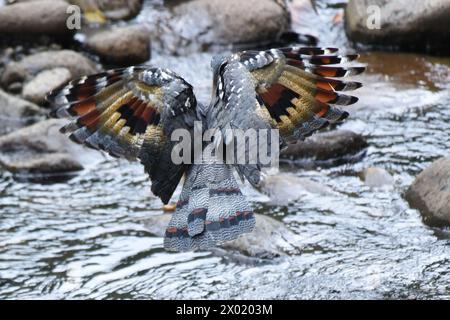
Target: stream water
86 238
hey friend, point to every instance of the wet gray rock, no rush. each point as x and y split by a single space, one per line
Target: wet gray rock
430 193
48 163
157 224
270 238
109 9
40 149
321 147
121 46
31 65
16 113
44 17
283 188
377 177
45 81
215 22
119 9
418 24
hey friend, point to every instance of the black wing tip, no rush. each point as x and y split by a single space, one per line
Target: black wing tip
324 125
165 198
317 49
74 138
355 85
353 100
352 57
344 115
307 50
348 86
343 100
357 70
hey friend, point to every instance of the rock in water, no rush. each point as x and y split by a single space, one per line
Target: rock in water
377 177
16 113
332 146
46 164
39 152
430 193
121 46
30 66
44 17
416 24
205 23
284 188
270 238
119 9
44 82
109 9
157 224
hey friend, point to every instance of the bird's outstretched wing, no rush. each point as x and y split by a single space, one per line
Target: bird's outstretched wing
130 113
291 89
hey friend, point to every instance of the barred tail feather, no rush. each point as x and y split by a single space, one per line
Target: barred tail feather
211 210
177 237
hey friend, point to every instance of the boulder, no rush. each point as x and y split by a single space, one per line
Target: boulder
416 24
39 151
108 9
119 9
377 177
430 193
45 81
270 238
30 66
331 146
283 188
47 163
121 46
16 113
204 23
44 17
101 10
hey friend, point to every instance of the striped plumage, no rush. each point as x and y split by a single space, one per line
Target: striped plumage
131 113
210 211
297 86
291 89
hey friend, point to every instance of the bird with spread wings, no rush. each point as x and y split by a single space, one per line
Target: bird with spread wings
131 113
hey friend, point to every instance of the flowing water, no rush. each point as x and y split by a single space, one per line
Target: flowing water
86 238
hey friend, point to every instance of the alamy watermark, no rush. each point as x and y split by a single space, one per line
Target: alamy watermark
373 17
73 21
227 146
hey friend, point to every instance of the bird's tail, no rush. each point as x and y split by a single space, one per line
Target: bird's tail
211 210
